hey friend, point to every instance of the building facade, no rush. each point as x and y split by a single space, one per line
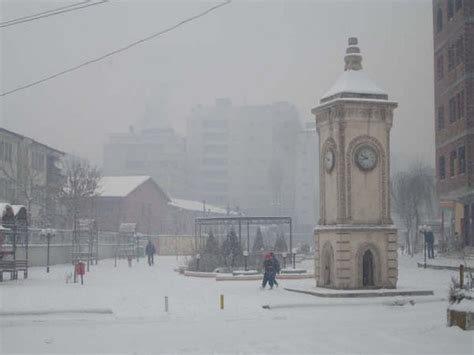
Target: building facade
30 174
158 152
244 157
131 199
453 35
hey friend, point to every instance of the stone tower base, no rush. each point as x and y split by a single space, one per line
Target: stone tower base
355 256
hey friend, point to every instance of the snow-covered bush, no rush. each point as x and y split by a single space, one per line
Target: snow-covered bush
457 294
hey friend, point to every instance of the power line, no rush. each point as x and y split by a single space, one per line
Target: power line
45 12
133 44
50 13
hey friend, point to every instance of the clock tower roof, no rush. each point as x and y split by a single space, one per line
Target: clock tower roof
354 82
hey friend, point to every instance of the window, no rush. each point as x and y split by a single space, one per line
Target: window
439 20
37 161
462 160
452 109
460 50
440 117
460 105
440 67
7 191
6 151
451 57
450 9
458 5
442 168
452 163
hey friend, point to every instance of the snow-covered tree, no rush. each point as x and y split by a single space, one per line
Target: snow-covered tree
280 243
258 244
80 186
413 195
231 249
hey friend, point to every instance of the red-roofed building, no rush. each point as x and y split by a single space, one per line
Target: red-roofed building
132 199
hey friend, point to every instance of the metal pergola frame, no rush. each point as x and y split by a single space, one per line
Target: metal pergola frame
239 221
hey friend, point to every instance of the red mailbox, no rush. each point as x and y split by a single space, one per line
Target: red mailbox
80 268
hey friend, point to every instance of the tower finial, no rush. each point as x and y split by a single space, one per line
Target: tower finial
353 58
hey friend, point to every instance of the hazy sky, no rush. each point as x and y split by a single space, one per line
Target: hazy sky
254 52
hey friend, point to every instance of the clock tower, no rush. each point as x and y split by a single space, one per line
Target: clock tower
355 240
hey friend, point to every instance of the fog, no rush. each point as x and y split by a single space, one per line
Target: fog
253 52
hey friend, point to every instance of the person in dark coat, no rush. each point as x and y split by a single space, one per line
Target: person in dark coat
276 268
268 270
150 252
429 238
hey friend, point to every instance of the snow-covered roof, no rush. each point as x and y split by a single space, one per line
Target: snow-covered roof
356 82
18 208
127 227
119 186
196 206
3 207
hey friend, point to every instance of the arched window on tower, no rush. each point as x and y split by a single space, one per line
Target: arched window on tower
450 9
439 20
458 4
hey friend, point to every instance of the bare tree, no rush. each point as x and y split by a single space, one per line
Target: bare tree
28 180
80 186
413 195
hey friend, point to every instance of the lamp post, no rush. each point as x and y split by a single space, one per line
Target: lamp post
284 255
423 231
294 257
48 233
246 255
198 257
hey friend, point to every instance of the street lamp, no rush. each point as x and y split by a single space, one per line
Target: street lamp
198 257
294 257
48 233
423 230
246 255
284 255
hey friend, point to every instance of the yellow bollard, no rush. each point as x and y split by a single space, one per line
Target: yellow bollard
222 301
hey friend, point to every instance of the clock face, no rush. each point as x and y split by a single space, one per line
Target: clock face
366 157
329 159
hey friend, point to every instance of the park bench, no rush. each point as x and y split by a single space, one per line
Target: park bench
13 266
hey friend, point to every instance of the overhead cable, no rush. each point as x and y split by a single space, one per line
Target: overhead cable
122 49
49 13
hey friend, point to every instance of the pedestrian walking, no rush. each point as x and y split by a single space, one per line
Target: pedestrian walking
150 252
429 238
276 268
268 270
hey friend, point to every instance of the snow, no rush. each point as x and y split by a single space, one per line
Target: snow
463 306
3 207
119 186
354 81
17 208
329 227
196 206
294 323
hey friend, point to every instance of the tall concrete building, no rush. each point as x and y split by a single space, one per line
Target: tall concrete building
244 156
158 152
454 106
307 177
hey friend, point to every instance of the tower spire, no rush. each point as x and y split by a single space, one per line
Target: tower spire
353 58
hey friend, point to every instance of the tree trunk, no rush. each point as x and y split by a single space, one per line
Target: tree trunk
417 222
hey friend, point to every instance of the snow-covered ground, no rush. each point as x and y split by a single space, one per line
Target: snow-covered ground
295 323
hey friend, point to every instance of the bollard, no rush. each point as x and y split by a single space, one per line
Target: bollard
166 303
222 301
461 276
